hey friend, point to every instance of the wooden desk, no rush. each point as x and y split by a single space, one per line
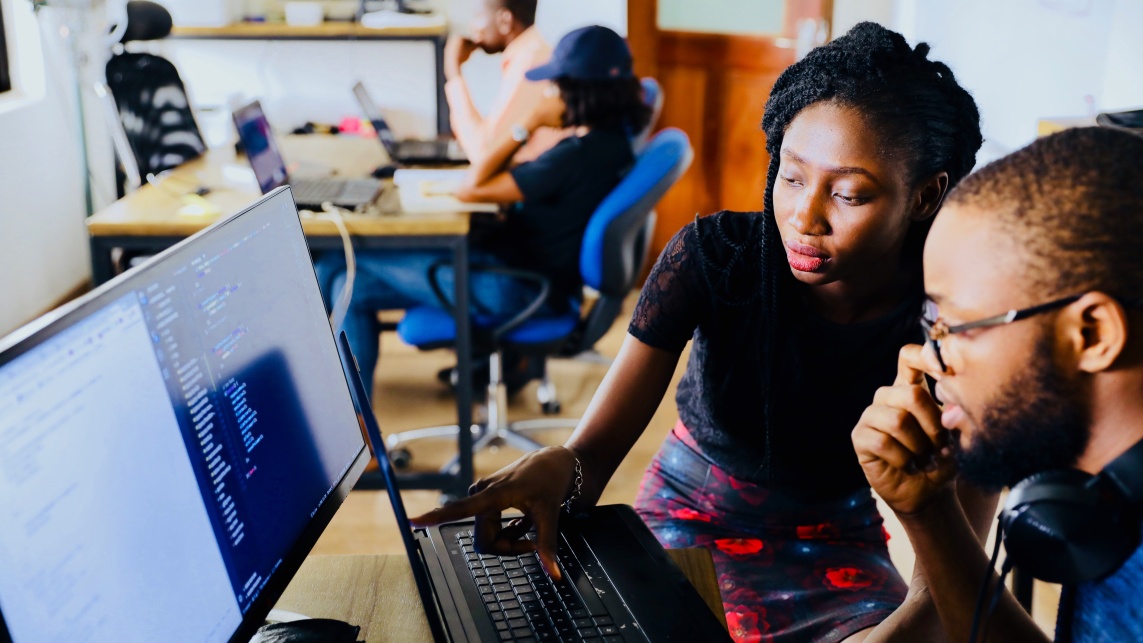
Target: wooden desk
149 220
379 594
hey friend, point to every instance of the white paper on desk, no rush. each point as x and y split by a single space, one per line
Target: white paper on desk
394 20
432 191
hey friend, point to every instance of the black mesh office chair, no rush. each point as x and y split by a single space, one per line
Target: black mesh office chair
156 129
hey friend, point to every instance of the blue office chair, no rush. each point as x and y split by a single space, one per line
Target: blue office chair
611 258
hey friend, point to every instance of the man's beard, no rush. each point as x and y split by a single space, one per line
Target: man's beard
1034 424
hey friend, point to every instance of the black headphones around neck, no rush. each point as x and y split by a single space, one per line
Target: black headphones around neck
1069 526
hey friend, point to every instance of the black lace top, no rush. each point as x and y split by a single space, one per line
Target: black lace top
707 285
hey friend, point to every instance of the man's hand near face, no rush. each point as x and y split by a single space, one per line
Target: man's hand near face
907 459
457 51
900 443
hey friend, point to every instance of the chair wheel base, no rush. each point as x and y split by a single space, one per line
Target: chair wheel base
551 408
401 458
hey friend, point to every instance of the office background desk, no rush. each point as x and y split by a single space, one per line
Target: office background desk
149 221
378 592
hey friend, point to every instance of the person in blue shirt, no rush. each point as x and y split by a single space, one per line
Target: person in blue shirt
1035 340
592 90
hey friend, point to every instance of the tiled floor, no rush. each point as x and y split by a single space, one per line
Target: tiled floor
408 396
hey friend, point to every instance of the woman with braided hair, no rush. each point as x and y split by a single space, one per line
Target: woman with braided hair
797 315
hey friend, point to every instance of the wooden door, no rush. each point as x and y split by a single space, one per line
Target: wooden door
715 86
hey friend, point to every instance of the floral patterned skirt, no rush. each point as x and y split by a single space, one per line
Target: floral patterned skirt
787 571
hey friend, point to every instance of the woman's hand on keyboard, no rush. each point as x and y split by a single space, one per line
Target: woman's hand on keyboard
537 485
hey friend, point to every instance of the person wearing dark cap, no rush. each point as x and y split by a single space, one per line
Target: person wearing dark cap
592 90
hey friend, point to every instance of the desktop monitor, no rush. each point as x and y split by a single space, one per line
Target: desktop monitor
172 444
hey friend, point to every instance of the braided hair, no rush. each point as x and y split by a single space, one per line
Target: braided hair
916 105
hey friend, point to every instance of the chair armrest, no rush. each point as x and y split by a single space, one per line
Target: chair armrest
524 275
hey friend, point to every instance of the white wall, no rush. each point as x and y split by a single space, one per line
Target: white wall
43 241
1123 74
1023 60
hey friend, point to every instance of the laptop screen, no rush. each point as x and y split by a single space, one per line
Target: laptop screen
373 113
261 149
172 445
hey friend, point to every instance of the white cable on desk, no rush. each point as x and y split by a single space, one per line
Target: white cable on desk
341 307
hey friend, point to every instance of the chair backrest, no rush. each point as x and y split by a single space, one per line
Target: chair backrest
150 98
154 110
615 242
653 97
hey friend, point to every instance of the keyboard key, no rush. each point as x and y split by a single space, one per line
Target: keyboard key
497 578
613 639
501 625
505 635
486 589
526 597
519 582
515 573
583 622
603 620
505 596
521 632
511 564
501 587
514 615
609 630
498 616
489 598
493 607
532 569
483 581
578 613
510 605
587 632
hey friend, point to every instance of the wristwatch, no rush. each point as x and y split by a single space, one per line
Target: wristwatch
520 133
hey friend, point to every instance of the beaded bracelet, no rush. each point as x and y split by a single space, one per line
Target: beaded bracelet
578 490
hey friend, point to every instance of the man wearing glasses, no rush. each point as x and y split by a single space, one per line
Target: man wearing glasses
1034 272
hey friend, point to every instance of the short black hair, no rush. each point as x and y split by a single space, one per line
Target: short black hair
1074 200
523 10
605 104
913 102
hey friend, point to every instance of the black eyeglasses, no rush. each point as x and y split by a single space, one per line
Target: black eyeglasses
936 330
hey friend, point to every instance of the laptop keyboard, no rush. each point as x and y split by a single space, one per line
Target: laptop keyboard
421 149
335 191
526 605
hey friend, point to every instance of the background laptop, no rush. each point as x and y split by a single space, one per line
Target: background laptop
618 584
407 152
270 168
173 443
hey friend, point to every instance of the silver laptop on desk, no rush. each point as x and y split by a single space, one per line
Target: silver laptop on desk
270 168
407 151
173 444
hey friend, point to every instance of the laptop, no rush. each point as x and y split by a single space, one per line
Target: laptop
172 444
618 583
270 168
408 151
